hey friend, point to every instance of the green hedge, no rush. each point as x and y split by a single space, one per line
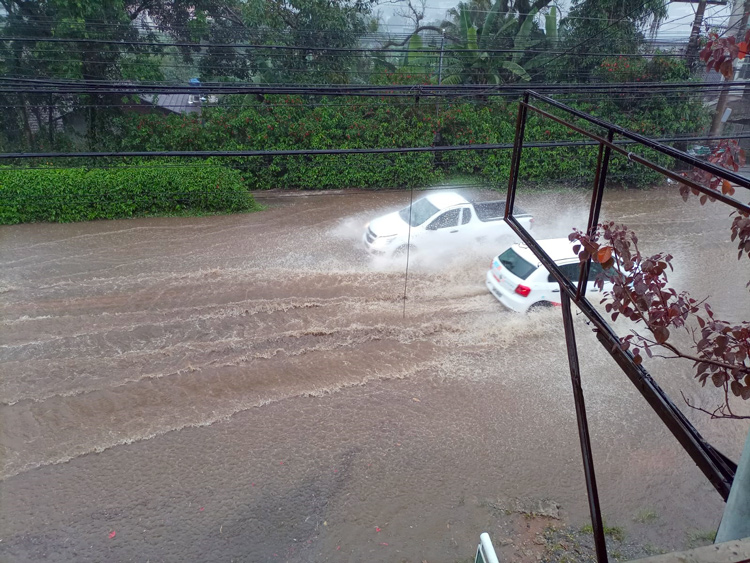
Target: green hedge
290 122
80 194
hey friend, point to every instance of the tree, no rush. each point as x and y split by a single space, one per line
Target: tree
38 58
607 27
311 26
720 350
475 58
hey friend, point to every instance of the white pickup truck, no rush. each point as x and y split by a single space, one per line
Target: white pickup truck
437 220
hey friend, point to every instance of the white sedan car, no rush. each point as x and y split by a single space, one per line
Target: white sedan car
521 283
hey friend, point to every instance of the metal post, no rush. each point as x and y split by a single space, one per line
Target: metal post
600 180
735 522
515 160
583 432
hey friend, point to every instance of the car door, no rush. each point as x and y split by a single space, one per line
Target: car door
444 229
572 270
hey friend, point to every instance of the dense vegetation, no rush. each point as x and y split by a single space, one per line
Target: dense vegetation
80 194
485 42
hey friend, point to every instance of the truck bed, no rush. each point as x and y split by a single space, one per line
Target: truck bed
493 210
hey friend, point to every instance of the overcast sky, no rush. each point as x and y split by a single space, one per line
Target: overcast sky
677 25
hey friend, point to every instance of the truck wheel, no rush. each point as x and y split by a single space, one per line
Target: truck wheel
401 251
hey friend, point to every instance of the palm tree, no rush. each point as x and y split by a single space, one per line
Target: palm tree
479 57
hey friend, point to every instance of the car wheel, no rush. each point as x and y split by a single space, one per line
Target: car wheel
539 306
401 251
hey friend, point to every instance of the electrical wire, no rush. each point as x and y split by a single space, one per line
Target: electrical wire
340 152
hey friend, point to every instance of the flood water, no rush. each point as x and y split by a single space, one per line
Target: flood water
255 388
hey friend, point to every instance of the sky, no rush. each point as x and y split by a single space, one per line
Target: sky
677 25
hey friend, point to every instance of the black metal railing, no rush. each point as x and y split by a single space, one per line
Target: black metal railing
717 468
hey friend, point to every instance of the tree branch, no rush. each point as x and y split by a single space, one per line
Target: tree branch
420 28
680 354
146 5
720 409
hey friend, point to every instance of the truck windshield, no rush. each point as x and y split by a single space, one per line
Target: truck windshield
420 212
515 264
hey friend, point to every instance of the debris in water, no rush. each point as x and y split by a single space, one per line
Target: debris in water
112 534
383 543
415 400
377 529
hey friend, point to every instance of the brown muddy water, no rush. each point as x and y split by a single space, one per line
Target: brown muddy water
247 388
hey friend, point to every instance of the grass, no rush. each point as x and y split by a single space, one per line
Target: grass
614 532
645 516
701 537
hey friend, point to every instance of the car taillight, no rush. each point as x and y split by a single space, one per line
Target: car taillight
522 290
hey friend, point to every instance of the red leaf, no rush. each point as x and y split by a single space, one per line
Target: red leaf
604 254
661 334
726 188
112 534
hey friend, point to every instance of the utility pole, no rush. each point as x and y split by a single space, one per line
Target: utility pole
721 104
692 50
438 139
440 64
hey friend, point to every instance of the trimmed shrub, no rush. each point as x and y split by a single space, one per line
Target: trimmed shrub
81 194
292 122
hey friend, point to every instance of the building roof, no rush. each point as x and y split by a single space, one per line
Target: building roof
176 103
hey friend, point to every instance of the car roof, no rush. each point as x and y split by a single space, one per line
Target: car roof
442 200
559 249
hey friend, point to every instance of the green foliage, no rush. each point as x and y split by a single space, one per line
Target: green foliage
285 122
288 122
640 69
615 532
80 194
698 538
473 59
646 515
617 27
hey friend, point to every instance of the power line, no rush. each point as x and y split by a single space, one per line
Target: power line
339 152
32 86
270 47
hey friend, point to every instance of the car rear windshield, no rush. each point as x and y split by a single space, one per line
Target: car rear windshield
419 212
515 264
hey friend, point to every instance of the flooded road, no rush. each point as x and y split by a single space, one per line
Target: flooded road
252 388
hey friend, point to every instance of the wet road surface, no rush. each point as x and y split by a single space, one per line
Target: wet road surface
250 388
